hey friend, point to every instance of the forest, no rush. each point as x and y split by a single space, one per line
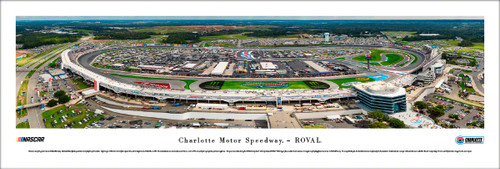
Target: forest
469 30
35 39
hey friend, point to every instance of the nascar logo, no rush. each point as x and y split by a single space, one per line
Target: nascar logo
30 139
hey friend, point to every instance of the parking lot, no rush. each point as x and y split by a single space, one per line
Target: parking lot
77 116
116 120
465 115
45 91
354 121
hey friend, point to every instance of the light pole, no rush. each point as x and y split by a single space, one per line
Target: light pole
368 58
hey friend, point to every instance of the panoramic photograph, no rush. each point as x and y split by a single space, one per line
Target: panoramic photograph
242 72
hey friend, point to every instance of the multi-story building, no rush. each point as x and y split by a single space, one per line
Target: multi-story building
382 96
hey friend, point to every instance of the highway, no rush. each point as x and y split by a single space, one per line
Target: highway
34 114
475 75
22 71
476 71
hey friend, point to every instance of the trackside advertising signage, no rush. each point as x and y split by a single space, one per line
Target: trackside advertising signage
159 85
368 57
267 85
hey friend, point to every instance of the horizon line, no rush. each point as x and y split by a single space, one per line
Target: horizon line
76 18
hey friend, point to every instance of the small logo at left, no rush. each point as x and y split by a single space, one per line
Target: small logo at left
30 139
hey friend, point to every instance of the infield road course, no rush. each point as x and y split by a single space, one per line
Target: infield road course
86 59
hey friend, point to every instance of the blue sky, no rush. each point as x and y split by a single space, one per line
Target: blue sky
240 17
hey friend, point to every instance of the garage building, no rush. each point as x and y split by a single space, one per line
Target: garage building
220 68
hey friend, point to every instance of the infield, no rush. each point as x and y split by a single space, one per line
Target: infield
346 82
392 59
375 55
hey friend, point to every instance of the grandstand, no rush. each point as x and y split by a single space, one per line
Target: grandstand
130 88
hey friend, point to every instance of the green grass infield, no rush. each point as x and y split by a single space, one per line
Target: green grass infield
392 59
346 82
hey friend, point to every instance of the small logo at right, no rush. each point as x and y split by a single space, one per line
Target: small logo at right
469 140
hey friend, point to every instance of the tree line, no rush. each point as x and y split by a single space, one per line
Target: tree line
420 38
182 38
122 35
35 39
470 30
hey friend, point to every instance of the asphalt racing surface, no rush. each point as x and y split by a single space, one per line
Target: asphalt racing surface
86 59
